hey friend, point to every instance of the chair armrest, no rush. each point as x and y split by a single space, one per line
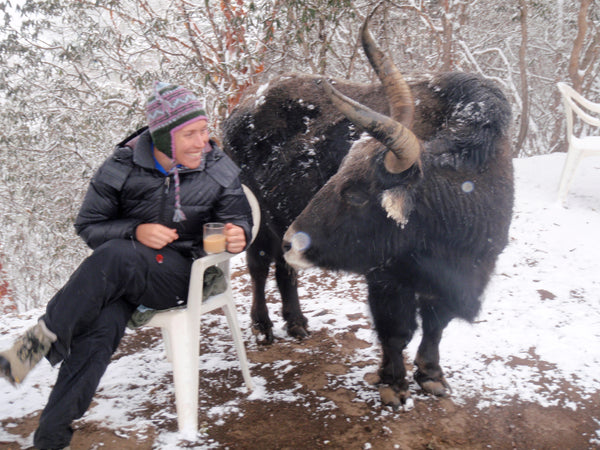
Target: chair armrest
196 288
211 260
577 102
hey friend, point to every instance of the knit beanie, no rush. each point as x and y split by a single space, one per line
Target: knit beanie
169 109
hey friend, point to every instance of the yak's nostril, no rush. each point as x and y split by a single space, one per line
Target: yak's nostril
286 246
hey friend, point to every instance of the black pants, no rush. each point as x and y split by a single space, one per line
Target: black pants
89 315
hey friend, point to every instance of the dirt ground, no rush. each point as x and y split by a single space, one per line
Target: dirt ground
332 412
432 424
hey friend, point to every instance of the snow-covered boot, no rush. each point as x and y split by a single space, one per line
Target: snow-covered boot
26 352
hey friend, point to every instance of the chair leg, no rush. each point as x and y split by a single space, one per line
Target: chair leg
184 348
571 163
231 314
167 344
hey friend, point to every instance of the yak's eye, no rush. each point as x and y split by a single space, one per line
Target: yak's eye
355 196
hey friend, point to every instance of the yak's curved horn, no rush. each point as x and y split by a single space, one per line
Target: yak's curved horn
404 146
396 88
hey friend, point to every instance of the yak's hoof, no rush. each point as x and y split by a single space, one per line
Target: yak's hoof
298 331
267 332
438 387
397 399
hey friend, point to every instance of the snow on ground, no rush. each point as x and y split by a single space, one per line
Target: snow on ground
539 329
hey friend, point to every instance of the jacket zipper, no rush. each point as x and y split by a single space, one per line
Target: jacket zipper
163 201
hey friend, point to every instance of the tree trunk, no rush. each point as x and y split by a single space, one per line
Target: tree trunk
448 58
582 28
524 79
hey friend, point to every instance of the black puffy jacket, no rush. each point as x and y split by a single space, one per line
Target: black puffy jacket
127 190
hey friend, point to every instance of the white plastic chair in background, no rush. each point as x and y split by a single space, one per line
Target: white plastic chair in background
181 331
577 106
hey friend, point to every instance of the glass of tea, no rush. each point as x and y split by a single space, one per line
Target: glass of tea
214 237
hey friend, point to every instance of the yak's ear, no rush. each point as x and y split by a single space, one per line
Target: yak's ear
398 203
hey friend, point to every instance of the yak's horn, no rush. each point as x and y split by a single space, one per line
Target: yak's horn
395 86
404 146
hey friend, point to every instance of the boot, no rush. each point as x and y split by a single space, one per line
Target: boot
26 352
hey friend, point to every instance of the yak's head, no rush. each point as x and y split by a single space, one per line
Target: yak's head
372 192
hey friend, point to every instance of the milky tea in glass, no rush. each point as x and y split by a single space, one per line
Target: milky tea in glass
214 237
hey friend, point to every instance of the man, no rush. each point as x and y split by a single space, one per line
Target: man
142 215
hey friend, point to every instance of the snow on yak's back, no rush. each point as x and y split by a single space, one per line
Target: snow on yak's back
421 206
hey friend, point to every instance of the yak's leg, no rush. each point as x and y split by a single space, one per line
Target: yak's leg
429 374
258 265
394 309
287 282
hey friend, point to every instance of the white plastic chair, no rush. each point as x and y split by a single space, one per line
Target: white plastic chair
181 331
579 146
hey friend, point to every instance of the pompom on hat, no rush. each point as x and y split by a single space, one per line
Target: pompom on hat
169 109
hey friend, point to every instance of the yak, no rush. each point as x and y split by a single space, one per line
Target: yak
435 214
420 206
288 139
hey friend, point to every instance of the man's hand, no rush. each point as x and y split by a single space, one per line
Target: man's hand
235 238
155 235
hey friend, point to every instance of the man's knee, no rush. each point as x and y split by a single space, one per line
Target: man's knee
119 263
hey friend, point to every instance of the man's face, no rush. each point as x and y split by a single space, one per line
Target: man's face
190 141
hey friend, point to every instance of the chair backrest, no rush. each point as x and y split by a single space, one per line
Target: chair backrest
255 211
576 104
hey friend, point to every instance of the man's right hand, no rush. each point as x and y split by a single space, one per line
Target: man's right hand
155 235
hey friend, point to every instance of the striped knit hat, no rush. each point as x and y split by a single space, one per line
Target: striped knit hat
169 109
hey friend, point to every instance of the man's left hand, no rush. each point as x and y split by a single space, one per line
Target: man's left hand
235 238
